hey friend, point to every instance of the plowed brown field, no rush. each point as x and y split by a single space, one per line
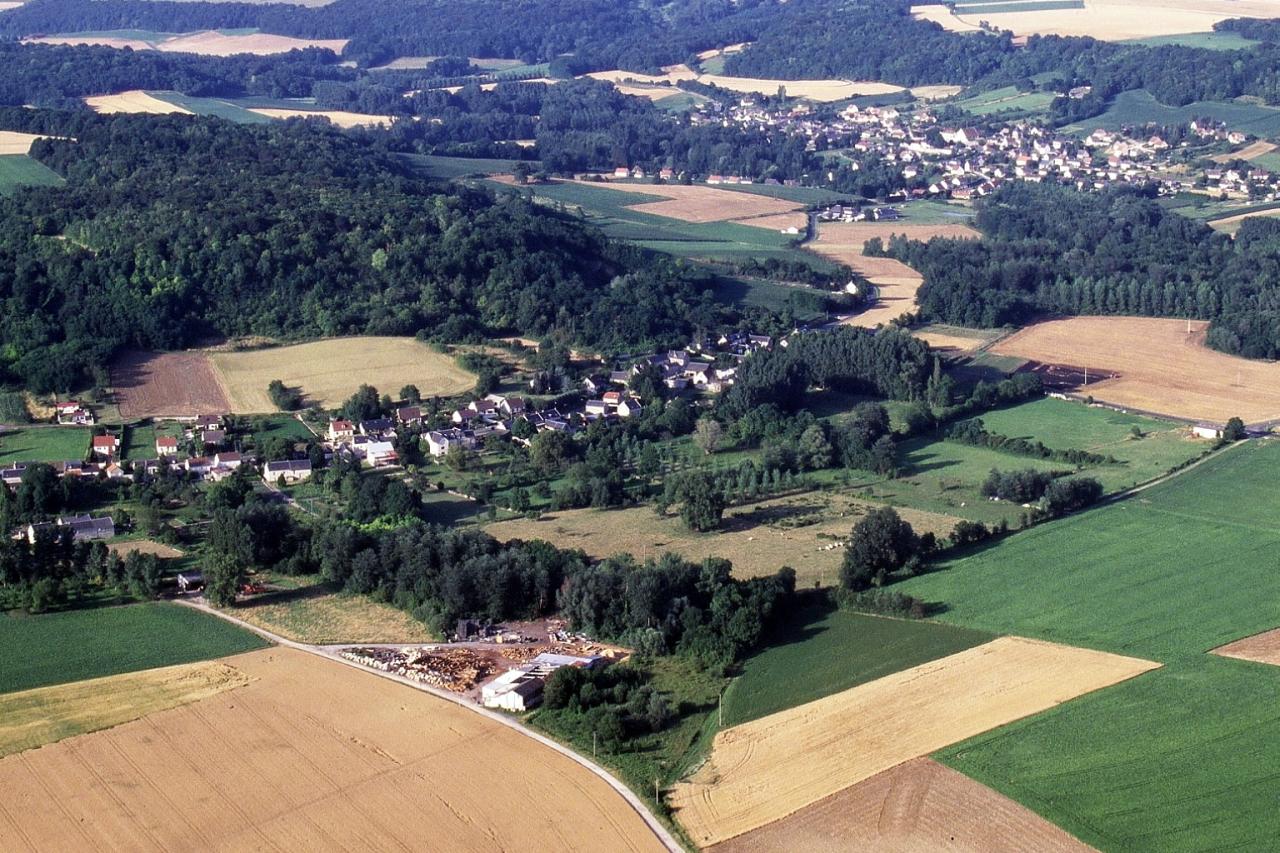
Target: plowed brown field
766 769
1161 368
917 806
316 756
149 384
1260 648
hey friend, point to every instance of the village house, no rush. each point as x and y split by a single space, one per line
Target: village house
74 412
105 447
341 430
166 445
290 470
213 438
409 415
84 528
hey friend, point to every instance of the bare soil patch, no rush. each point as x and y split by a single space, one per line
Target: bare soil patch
338 118
311 755
135 101
769 768
1260 648
896 282
917 806
145 546
802 531
32 718
1158 366
173 384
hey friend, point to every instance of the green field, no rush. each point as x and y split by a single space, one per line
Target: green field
769 295
1207 41
44 444
1138 106
825 650
222 108
1007 98
60 647
1016 6
19 170
459 167
1182 758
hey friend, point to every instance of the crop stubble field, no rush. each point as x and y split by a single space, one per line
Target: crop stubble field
769 768
205 43
896 282
1107 20
32 718
919 805
310 755
331 370
1161 368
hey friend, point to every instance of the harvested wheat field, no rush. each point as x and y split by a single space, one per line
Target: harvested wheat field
1119 20
32 718
824 91
338 118
703 203
955 339
206 43
171 384
310 755
1260 648
798 220
1249 152
135 101
6 5
896 282
1159 366
919 805
145 546
330 371
766 769
13 142
942 16
802 531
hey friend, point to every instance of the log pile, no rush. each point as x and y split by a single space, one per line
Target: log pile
457 670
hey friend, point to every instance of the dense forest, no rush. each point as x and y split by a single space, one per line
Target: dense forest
172 229
1051 249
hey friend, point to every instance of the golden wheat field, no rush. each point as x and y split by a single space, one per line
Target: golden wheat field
1109 20
330 371
766 769
338 118
31 718
1160 366
135 101
310 755
13 142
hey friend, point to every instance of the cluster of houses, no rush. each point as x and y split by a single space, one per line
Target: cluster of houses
968 162
372 442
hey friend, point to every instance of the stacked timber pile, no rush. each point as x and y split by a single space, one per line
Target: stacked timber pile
457 670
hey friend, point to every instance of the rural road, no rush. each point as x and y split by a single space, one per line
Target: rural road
330 653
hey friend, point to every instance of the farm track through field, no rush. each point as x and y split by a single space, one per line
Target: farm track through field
330 654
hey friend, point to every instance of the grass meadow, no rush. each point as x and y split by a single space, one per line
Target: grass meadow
73 645
823 650
309 611
1138 106
1181 758
19 170
44 444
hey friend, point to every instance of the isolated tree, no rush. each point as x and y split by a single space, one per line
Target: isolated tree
411 395
363 405
707 434
880 544
1234 430
701 501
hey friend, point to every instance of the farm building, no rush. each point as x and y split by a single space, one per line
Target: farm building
1209 431
516 690
84 528
292 470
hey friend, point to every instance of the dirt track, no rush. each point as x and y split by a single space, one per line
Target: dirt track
1161 368
769 768
311 755
917 806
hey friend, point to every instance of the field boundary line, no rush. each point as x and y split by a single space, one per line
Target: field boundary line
663 835
1164 478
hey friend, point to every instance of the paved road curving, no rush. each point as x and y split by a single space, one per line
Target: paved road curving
331 653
